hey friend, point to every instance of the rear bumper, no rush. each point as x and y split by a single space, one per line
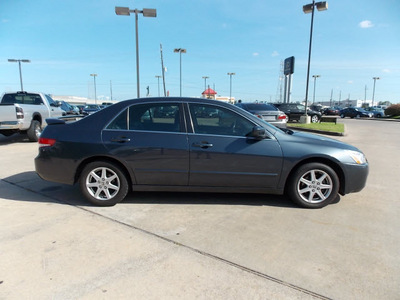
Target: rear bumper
55 170
11 125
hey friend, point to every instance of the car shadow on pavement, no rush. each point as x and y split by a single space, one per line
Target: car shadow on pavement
15 138
208 199
50 192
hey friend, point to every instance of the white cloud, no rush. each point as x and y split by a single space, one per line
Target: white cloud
366 24
275 53
386 71
256 54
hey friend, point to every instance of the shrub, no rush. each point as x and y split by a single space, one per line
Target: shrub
393 110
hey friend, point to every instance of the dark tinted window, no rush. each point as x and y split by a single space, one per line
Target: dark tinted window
215 120
23 98
149 117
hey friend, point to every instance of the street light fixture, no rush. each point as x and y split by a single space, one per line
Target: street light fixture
373 92
20 71
230 87
147 12
95 93
315 82
310 8
180 51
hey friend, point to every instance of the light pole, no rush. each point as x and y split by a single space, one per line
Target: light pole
373 92
158 84
230 87
205 82
147 12
315 82
20 71
309 8
95 93
180 51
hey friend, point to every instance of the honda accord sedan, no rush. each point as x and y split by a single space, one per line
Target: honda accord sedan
177 144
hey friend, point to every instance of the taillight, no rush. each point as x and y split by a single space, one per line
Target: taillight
44 142
259 116
19 112
282 117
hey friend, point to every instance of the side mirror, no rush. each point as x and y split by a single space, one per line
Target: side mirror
259 133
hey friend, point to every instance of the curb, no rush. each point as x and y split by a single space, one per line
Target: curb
318 131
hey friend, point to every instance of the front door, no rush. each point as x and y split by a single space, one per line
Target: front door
221 155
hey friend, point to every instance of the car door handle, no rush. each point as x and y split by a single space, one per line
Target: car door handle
120 139
202 145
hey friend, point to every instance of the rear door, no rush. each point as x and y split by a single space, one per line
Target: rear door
222 156
151 139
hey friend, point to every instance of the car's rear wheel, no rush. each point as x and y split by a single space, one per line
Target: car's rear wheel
313 185
34 131
103 183
342 116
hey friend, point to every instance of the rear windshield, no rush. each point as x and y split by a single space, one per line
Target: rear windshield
22 99
261 106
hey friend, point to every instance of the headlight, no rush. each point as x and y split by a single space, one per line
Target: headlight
358 157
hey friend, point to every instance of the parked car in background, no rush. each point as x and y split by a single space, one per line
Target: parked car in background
68 108
90 109
266 112
331 111
125 147
80 107
26 112
295 111
316 107
355 112
378 112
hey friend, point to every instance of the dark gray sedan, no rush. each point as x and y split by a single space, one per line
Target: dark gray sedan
194 145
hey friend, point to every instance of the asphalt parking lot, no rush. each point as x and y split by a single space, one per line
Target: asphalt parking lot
204 246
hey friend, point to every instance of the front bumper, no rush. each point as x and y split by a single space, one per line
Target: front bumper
355 178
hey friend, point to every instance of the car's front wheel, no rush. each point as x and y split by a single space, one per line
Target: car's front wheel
314 119
103 183
313 185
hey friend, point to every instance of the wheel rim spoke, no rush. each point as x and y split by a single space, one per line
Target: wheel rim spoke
315 186
102 183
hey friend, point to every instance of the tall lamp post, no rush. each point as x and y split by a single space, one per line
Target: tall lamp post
20 71
373 91
180 51
230 86
94 81
147 12
158 84
315 82
309 8
205 82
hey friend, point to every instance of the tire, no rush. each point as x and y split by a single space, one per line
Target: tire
342 116
314 119
103 183
313 185
34 131
358 116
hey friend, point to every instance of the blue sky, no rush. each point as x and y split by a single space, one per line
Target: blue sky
68 40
